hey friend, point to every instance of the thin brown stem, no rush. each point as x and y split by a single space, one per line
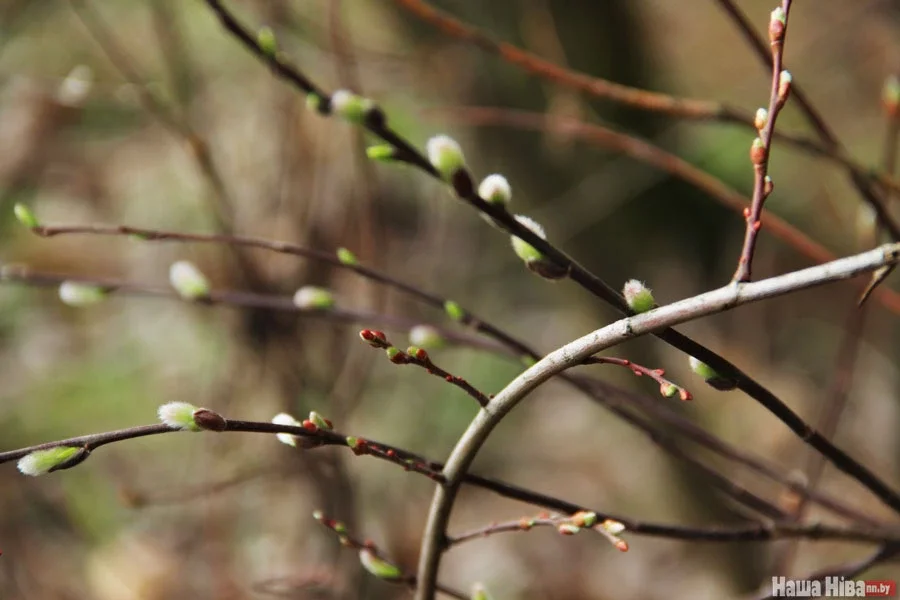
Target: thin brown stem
372 554
666 387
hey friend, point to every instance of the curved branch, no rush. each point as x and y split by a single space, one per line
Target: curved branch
576 352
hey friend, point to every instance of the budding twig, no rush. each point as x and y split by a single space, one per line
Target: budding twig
760 150
419 357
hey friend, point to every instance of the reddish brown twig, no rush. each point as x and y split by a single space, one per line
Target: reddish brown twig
861 178
666 387
564 524
761 149
419 357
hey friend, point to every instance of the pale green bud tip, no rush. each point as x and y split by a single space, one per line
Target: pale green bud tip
74 293
265 37
286 419
702 369
710 376
25 216
523 249
41 462
313 298
381 152
347 257
584 518
638 296
320 421
445 155
350 106
188 281
495 189
426 336
178 415
454 310
479 592
378 566
779 15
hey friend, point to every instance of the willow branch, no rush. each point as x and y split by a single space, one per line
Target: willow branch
404 151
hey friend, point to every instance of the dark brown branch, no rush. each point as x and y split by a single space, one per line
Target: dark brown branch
413 462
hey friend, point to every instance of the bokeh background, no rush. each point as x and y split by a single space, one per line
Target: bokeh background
148 114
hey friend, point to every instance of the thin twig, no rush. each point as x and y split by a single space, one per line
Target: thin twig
370 552
420 358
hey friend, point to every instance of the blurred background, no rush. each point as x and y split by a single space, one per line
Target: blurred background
149 114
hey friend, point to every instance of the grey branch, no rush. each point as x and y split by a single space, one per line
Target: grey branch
574 353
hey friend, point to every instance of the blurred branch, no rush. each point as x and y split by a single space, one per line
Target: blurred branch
240 299
674 106
153 235
852 569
